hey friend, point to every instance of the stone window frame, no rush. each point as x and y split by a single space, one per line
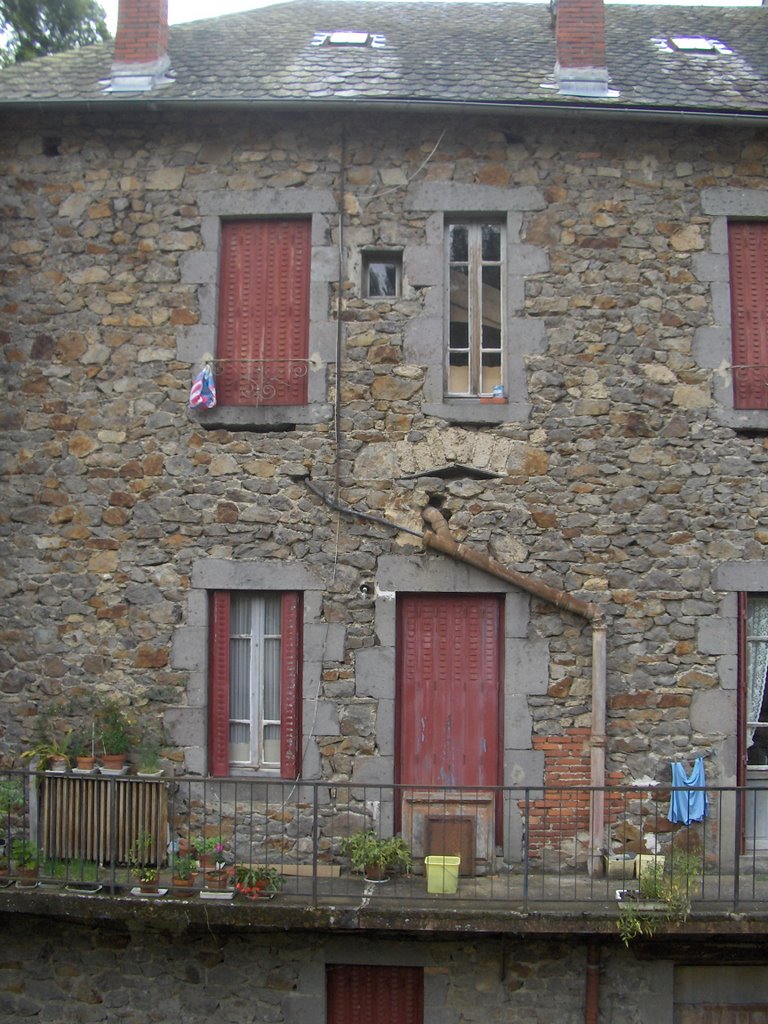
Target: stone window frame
712 346
425 266
187 726
201 268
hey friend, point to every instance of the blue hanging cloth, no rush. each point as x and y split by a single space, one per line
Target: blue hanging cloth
689 799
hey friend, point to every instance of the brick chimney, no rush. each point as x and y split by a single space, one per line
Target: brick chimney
141 46
580 68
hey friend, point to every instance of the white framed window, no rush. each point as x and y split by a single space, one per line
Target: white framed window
476 336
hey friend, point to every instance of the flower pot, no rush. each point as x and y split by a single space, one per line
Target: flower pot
58 764
217 879
85 764
183 886
149 886
113 762
375 873
27 877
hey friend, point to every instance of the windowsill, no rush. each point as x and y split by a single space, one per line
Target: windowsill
267 417
477 410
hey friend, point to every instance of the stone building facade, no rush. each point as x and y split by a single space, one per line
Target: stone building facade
615 470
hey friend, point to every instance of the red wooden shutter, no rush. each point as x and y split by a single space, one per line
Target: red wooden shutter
263 327
363 994
449 690
748 258
290 687
218 684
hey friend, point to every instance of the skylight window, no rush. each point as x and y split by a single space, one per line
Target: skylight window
348 37
693 44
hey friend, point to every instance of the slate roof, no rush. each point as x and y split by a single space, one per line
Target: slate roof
432 53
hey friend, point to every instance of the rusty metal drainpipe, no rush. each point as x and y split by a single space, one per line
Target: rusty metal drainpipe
592 992
439 537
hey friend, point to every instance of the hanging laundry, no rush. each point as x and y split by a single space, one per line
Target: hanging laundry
689 799
203 390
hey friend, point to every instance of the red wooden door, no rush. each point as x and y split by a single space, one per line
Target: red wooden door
449 690
263 335
372 994
748 257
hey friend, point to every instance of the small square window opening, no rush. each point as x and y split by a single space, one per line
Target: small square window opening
382 273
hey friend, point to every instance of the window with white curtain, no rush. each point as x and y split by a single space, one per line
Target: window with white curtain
255 645
756 670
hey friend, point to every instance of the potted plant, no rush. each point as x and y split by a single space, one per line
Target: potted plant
209 851
82 749
257 880
376 857
114 736
25 858
140 857
660 896
148 758
184 873
52 741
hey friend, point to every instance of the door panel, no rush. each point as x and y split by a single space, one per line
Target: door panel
449 690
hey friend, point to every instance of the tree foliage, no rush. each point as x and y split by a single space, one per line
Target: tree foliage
34 28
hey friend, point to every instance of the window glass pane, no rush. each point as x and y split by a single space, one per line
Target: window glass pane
382 279
239 743
491 242
459 243
271 745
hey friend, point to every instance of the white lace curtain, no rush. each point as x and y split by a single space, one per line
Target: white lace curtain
757 659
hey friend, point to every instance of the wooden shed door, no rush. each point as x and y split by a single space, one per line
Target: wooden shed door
449 690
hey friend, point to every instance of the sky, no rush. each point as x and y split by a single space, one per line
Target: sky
193 10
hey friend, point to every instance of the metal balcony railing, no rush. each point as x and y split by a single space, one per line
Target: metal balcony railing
516 847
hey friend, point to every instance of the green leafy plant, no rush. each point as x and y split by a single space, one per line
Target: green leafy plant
24 854
255 880
184 866
113 728
148 755
11 797
668 891
365 850
140 859
52 738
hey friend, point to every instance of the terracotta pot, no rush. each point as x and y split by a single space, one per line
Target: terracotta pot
149 886
27 877
217 879
375 873
58 764
183 885
86 764
113 762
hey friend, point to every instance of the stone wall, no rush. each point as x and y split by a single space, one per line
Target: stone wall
610 475
89 974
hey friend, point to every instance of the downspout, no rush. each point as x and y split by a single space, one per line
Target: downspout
592 987
438 537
